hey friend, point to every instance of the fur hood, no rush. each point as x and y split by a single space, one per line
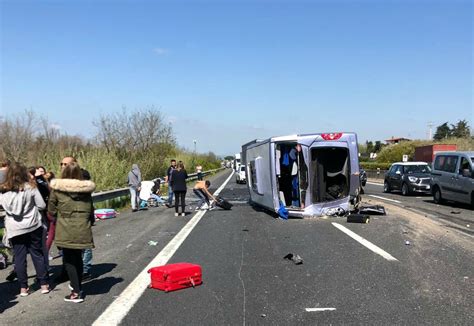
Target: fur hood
73 185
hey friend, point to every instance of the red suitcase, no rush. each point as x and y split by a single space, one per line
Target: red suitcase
174 277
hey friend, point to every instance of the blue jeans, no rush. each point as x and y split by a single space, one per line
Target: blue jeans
134 197
158 199
202 197
86 261
170 195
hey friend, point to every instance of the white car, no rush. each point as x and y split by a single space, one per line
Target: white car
240 175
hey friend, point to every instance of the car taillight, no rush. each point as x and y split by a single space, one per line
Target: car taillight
332 136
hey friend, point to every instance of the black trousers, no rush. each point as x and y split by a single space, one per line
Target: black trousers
72 259
31 243
180 197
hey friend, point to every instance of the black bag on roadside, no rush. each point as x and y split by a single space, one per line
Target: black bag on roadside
222 203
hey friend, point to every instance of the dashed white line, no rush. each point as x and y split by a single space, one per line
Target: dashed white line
319 309
387 199
120 307
365 242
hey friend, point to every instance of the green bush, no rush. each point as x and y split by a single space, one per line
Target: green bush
369 166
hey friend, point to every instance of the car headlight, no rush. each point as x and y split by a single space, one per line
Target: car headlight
413 179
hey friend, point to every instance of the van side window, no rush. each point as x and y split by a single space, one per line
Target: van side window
450 164
464 165
254 174
439 162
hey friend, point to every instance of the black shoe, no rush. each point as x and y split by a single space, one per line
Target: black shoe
11 277
86 277
134 210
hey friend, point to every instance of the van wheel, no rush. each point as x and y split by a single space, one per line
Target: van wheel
405 190
437 196
386 187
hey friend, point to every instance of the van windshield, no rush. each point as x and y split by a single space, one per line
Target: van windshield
330 173
410 169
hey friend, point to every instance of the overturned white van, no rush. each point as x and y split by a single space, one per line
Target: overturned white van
310 175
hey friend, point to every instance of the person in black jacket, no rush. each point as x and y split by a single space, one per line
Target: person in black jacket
178 184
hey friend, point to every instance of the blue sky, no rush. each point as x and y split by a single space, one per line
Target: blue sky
226 72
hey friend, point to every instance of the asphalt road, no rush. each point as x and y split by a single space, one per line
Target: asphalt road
454 215
247 281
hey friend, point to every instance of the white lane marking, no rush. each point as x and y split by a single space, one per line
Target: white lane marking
119 308
375 183
387 199
319 309
365 243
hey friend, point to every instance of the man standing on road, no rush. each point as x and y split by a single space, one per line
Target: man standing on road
168 180
199 172
134 184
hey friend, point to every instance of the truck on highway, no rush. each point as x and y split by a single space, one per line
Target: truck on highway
237 162
309 175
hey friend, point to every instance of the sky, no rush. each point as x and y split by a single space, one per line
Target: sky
227 72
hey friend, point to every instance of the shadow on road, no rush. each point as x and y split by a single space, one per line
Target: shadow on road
8 293
101 285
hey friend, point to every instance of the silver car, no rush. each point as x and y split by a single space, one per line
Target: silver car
453 177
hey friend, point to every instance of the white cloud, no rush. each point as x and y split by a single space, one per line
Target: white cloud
55 126
161 51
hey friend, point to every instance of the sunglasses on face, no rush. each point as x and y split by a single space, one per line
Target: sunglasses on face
63 164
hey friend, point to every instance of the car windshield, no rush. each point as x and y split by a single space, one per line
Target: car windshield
417 169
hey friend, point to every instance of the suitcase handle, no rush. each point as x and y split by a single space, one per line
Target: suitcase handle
189 280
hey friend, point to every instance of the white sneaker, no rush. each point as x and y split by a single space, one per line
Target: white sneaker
204 207
176 214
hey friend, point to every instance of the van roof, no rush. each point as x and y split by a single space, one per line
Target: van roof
468 153
410 163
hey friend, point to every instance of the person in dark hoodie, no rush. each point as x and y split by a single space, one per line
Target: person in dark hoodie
22 203
134 183
178 184
71 203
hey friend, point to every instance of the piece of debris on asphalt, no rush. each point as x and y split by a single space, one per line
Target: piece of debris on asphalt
129 245
358 218
108 235
407 243
455 212
152 243
245 230
467 225
372 210
295 258
263 315
405 232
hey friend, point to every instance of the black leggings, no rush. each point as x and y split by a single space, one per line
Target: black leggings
179 197
72 259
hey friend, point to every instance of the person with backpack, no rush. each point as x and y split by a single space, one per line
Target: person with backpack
178 184
134 184
23 204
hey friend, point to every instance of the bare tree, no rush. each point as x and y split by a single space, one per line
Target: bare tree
17 135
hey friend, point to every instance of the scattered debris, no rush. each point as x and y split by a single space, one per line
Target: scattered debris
263 315
245 230
466 277
358 218
152 243
405 232
455 212
372 210
407 243
467 225
108 235
129 245
295 258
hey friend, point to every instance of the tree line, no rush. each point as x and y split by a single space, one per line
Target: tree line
120 140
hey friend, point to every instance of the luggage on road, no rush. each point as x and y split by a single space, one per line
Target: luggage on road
222 203
105 213
174 277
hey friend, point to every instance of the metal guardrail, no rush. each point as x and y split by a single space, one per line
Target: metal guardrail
114 193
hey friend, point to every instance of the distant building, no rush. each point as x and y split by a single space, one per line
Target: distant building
396 140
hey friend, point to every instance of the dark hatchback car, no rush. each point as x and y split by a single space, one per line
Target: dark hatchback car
408 177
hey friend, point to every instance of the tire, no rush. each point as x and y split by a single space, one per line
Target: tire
386 187
405 190
437 198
